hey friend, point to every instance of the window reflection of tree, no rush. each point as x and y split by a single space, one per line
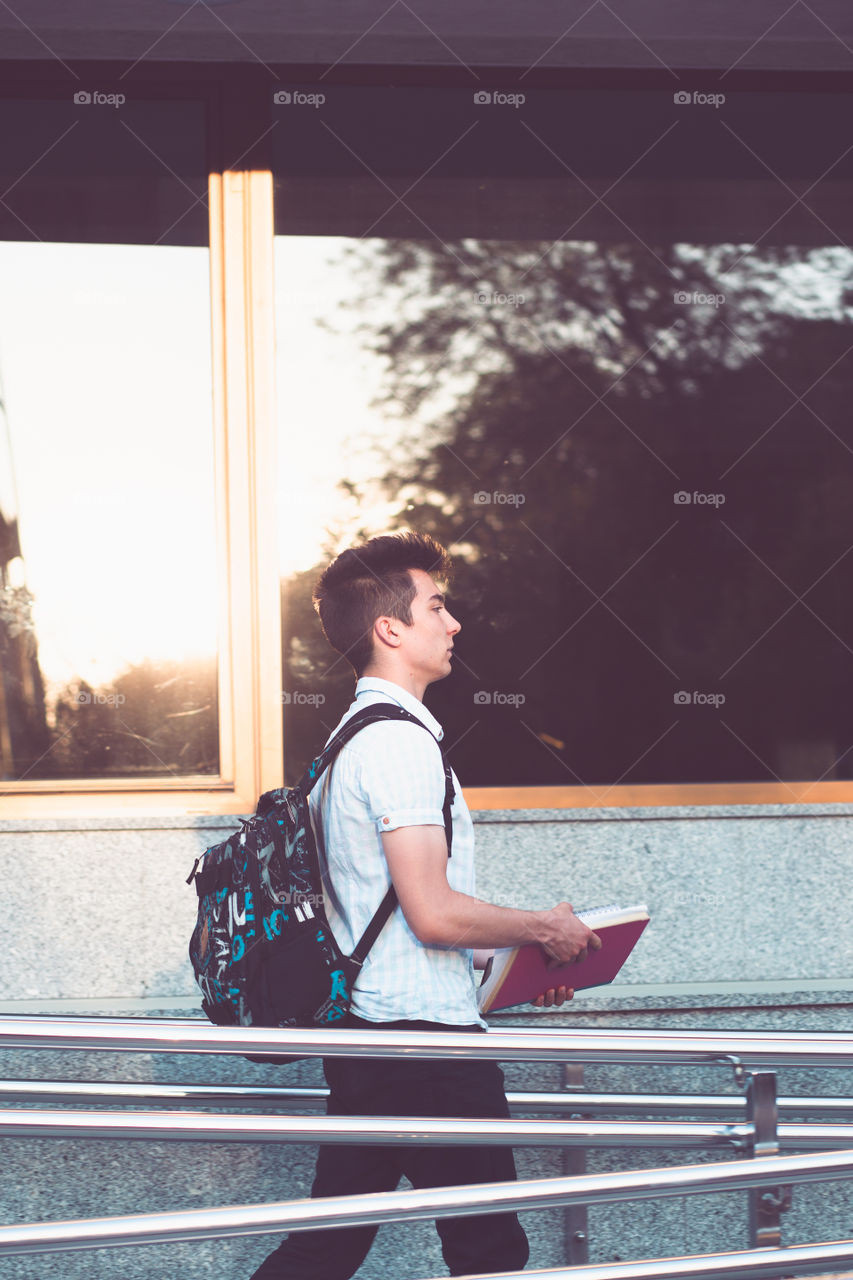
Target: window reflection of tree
597 398
24 733
153 718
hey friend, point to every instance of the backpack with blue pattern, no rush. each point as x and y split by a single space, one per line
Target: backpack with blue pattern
262 950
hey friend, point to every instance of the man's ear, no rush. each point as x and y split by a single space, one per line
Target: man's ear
386 631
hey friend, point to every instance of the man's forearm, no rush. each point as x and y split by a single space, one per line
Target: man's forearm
440 916
463 921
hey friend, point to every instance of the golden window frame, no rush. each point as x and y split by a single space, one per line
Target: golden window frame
249 622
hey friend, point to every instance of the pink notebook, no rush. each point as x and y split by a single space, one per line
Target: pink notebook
517 975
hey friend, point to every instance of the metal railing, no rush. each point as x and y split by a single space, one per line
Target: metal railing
754 1131
290 1097
512 1044
416 1205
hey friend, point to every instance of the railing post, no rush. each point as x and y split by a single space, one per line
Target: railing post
577 1224
766 1204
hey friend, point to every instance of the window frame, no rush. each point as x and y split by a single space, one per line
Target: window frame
242 405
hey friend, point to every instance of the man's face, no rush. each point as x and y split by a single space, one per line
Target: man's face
428 642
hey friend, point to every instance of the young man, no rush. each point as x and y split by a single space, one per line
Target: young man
378 816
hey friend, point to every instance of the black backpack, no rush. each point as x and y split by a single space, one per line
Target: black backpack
262 950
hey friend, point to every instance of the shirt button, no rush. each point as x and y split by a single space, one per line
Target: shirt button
385 821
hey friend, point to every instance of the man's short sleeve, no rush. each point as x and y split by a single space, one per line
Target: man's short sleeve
401 776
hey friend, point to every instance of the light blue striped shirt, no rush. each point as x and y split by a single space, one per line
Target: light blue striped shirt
391 775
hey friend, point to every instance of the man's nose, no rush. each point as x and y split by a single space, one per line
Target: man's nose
453 627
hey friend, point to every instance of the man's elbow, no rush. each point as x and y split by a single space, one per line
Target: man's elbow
429 928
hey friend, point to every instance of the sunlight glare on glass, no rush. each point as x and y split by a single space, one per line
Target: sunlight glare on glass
327 381
105 359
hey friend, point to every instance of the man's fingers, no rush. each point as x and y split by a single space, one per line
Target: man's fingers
594 941
554 963
553 996
547 998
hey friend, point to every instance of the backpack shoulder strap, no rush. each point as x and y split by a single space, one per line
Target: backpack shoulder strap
374 715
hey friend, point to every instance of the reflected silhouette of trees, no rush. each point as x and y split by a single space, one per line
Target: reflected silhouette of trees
555 401
24 735
154 718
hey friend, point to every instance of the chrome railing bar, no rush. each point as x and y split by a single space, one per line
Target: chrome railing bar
410 1205
183 1126
747 1264
295 1096
93 1091
188 1126
511 1044
814 1137
672 1104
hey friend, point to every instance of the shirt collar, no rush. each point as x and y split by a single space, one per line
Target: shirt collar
408 701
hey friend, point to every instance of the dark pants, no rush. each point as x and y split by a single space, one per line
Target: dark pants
392 1087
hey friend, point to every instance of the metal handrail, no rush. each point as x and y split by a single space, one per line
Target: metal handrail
513 1044
187 1126
159 1126
301 1096
761 1135
424 1203
746 1264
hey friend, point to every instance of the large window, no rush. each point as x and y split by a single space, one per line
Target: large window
139 636
108 614
600 343
109 575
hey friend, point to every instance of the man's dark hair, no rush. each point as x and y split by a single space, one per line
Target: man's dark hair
373 581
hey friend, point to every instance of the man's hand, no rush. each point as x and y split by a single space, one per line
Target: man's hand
553 996
564 938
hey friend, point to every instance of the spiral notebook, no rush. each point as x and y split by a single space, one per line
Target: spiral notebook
517 975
